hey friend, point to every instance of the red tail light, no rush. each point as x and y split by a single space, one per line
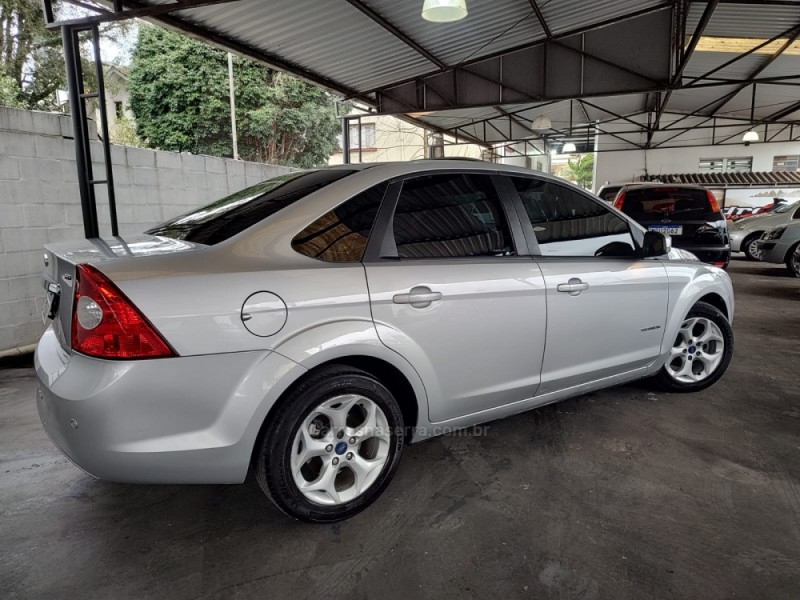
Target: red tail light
712 199
619 201
106 324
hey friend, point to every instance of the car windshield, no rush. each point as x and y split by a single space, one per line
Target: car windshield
668 202
233 214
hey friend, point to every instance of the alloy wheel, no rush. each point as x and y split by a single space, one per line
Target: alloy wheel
795 262
697 352
753 249
340 449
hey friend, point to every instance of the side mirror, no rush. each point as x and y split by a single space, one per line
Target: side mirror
656 244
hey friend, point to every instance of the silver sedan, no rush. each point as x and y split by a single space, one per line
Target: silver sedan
745 233
311 326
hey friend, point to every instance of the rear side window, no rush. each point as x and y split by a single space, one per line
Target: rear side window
233 214
450 216
676 204
609 193
567 223
341 234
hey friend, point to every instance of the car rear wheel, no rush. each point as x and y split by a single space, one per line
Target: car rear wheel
750 247
701 352
793 260
332 447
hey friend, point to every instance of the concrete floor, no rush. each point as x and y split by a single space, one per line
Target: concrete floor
621 494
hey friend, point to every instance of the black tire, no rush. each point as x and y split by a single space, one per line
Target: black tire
666 382
746 246
793 260
272 465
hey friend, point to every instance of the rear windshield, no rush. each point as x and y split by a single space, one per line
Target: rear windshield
784 208
233 214
664 202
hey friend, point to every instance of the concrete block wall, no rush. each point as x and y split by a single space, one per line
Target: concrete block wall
40 203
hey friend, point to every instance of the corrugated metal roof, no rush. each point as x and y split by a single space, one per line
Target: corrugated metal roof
568 15
489 28
742 20
335 39
703 62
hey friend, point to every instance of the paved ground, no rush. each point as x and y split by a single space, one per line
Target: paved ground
620 494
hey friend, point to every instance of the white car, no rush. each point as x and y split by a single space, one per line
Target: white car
312 325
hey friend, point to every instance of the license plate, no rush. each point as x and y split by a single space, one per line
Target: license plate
669 229
50 302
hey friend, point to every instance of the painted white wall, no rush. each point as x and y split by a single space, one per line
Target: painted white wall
629 165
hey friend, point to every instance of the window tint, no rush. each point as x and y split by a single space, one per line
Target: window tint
341 235
567 223
608 193
233 214
455 215
678 204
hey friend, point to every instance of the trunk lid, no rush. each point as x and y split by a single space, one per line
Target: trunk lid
61 258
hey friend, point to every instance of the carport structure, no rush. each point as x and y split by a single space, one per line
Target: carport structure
643 74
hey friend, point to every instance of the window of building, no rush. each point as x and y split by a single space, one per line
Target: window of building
786 163
366 139
567 223
118 109
341 235
726 165
453 215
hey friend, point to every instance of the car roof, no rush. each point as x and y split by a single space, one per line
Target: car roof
679 186
393 169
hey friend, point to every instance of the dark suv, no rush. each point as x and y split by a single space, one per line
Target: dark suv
688 213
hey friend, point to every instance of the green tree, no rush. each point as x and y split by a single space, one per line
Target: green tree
179 93
580 169
31 54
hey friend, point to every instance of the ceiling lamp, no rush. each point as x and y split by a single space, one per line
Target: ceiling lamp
568 147
750 136
444 11
541 122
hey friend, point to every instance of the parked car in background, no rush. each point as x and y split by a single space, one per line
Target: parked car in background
782 245
745 233
690 214
308 327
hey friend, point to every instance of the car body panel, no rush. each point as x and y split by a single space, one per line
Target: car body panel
623 313
477 356
777 250
500 302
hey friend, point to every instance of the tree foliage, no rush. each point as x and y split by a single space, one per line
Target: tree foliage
580 169
179 93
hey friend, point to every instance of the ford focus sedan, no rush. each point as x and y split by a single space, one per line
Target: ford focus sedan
307 328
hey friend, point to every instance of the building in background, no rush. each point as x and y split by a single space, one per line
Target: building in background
387 139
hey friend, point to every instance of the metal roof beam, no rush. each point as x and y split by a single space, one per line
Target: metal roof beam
540 16
133 12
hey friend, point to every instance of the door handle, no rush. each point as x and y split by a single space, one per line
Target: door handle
418 297
574 287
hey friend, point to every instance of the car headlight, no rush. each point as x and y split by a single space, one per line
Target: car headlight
774 234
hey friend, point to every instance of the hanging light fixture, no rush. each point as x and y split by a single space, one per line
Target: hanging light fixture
541 122
444 11
568 147
750 136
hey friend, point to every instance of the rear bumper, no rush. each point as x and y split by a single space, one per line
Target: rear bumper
714 255
173 420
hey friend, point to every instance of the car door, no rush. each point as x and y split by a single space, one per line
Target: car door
606 307
452 291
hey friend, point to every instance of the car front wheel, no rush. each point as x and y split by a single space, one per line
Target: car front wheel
332 446
793 260
750 247
701 352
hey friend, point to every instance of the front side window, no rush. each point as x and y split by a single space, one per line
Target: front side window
341 234
233 214
450 216
567 223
